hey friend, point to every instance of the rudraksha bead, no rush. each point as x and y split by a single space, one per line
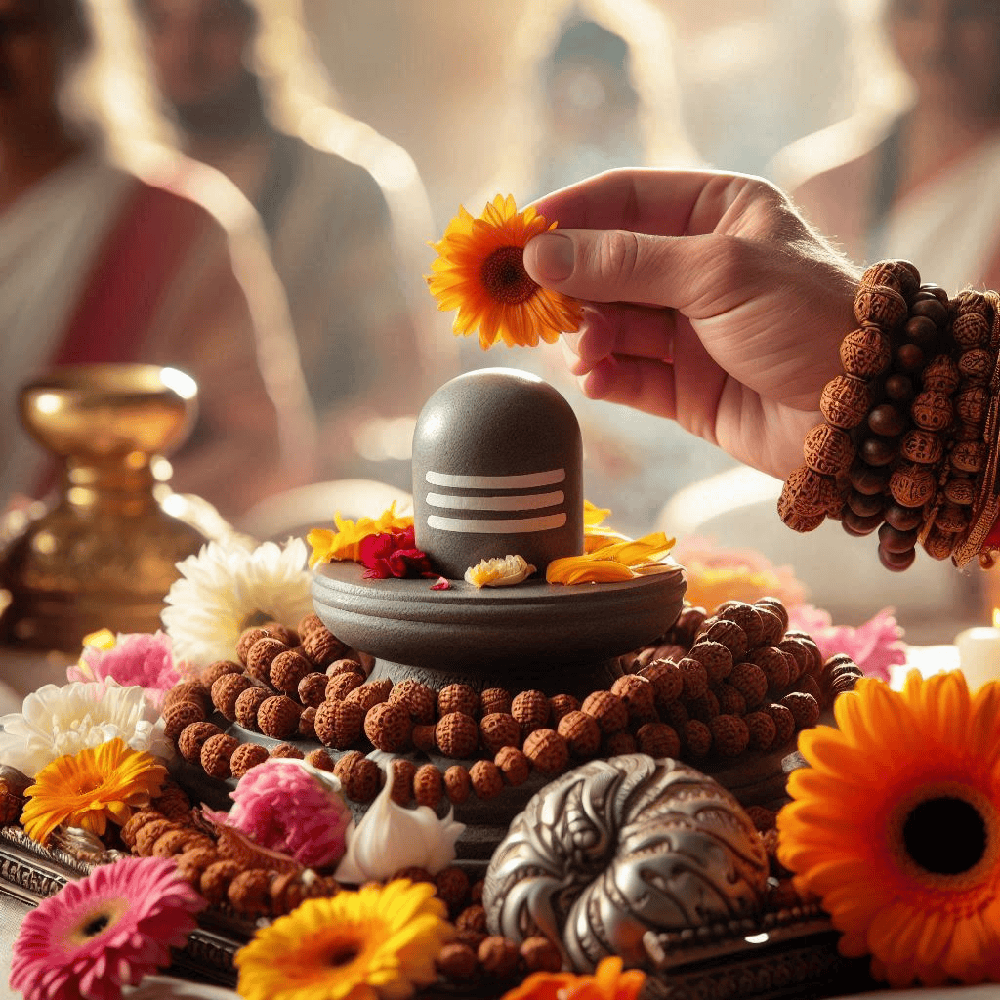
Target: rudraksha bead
971 404
951 519
931 410
976 366
844 401
403 772
514 766
900 275
546 750
418 699
495 700
791 513
457 735
960 491
218 669
828 450
879 304
531 709
259 658
278 717
970 330
457 698
499 729
922 447
457 784
967 456
338 724
389 726
912 485
287 669
865 353
607 710
941 375
939 544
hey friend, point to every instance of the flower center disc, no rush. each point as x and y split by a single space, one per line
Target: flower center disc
504 277
945 835
343 954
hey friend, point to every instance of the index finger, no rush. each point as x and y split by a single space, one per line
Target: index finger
646 200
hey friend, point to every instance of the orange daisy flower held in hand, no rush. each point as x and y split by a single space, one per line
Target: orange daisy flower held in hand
479 272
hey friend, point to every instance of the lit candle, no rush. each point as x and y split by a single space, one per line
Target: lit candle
979 653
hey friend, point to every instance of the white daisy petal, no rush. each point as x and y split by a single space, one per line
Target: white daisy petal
227 584
64 720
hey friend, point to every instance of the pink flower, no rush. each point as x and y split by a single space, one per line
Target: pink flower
393 553
137 660
289 807
113 927
874 646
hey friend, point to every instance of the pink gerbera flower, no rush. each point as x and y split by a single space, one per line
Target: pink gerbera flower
112 928
287 806
137 660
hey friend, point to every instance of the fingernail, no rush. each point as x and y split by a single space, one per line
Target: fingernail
552 256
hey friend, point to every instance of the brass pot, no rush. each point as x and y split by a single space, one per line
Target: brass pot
104 554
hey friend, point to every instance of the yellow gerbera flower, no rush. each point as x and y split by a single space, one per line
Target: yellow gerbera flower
88 788
343 544
619 560
479 272
896 826
375 944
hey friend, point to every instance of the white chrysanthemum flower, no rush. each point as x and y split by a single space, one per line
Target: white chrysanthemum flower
54 721
225 588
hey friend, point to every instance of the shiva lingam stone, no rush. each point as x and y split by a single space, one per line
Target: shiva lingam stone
105 555
497 472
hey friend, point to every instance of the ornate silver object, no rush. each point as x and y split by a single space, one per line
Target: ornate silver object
617 848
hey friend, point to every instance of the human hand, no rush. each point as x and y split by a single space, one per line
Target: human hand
708 300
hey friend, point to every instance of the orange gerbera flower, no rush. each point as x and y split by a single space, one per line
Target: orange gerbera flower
479 272
896 826
88 788
607 983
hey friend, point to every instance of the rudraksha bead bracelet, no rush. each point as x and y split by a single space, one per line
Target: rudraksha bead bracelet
908 447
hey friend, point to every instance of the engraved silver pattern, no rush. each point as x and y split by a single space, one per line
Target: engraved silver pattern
617 848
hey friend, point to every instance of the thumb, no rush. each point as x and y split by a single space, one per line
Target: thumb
616 265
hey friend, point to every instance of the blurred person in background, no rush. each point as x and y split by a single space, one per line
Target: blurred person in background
923 180
248 97
597 90
99 265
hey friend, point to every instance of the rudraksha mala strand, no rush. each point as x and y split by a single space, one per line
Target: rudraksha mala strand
905 425
728 683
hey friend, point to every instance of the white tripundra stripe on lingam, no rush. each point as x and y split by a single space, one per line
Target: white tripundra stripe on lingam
518 501
510 526
522 482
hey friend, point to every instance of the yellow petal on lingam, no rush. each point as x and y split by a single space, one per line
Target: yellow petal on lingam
625 559
597 534
343 544
504 572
